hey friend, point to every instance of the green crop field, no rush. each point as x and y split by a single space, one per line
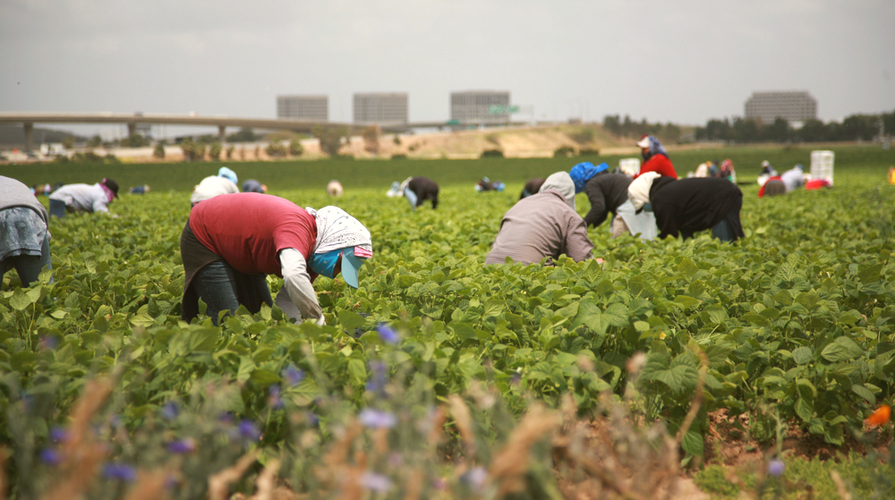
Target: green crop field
793 328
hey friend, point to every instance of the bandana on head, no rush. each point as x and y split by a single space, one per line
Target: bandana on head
583 172
336 230
655 147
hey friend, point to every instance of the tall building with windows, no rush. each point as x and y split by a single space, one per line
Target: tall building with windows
380 108
303 107
794 106
480 106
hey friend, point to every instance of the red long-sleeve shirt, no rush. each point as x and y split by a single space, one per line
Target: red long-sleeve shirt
658 163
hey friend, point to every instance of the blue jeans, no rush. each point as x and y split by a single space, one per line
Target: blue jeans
221 287
57 208
411 197
29 266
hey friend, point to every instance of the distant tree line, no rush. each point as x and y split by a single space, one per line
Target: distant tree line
630 128
742 130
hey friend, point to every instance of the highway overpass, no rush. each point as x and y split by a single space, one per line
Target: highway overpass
27 120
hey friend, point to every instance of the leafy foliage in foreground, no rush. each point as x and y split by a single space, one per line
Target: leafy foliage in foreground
797 321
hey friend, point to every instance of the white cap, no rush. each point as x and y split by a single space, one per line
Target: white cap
644 143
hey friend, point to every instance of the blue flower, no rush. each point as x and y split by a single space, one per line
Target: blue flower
50 456
170 410
377 419
375 482
273 398
182 446
387 334
475 478
49 342
121 472
249 431
313 419
775 467
58 435
377 384
292 375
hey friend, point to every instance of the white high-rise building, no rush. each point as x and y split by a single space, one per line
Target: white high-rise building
796 106
303 107
380 108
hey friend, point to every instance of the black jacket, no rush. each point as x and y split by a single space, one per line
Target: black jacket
425 189
605 192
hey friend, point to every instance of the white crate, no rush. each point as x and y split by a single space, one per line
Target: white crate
630 166
822 165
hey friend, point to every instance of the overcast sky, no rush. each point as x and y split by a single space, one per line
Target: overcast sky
684 61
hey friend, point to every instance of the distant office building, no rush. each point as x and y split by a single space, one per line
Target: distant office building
303 107
791 106
380 108
480 106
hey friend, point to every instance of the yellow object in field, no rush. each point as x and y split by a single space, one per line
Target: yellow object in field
891 175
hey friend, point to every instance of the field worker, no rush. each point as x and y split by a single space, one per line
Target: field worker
253 186
793 178
487 184
655 158
543 225
395 191
83 198
222 183
727 171
231 243
689 205
334 188
139 189
24 238
419 189
531 187
702 170
608 192
767 171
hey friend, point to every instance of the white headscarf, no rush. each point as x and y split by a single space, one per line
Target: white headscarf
562 182
638 191
336 229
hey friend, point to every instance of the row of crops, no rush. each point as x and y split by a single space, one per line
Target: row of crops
795 324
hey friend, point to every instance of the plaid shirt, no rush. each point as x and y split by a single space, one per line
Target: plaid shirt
539 226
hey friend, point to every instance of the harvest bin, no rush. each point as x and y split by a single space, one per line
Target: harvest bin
822 165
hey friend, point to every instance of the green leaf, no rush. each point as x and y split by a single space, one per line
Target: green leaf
806 389
841 349
687 302
693 443
757 319
870 274
357 370
19 301
865 393
804 410
687 267
264 377
351 320
801 355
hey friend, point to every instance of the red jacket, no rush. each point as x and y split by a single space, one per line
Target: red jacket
658 163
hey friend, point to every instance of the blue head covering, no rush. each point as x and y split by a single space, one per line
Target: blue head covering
228 174
655 147
582 172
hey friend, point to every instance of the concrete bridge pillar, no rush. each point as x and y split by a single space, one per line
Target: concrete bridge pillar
221 132
29 136
131 129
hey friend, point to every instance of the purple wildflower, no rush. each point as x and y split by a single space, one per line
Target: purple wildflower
50 456
377 419
273 398
377 384
387 334
48 342
375 482
58 435
170 410
249 431
313 419
775 467
182 446
475 478
121 472
292 375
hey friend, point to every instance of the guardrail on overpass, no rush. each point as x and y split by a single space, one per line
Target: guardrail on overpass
221 122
